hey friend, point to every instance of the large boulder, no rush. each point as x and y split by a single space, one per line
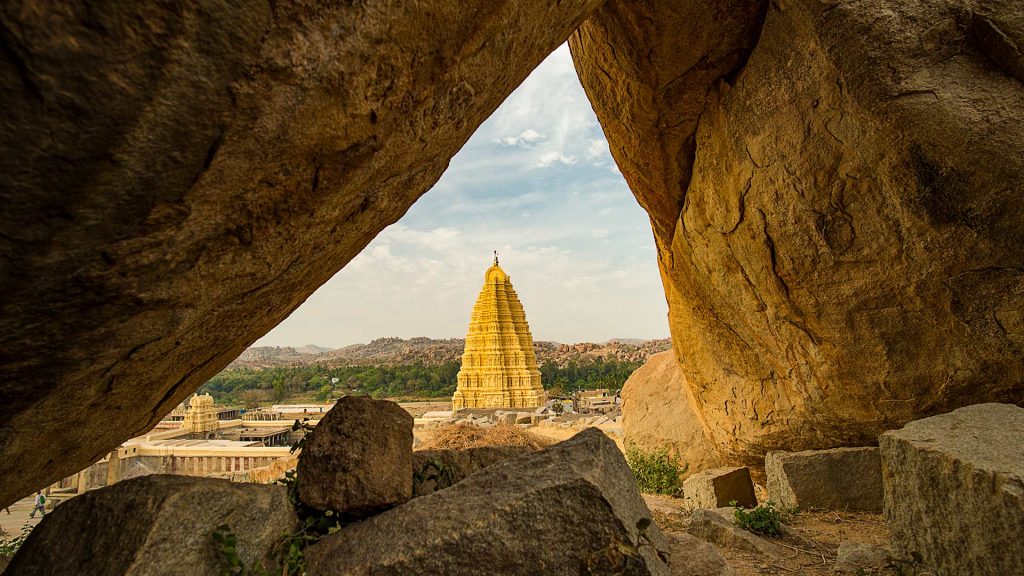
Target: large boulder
563 510
158 525
179 176
836 204
358 459
954 490
658 414
835 479
434 470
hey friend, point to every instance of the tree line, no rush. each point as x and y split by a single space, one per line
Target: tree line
253 387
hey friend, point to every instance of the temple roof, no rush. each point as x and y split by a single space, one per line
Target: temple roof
495 273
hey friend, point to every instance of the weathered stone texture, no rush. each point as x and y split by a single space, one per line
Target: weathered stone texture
954 490
691 556
156 525
835 479
180 176
860 558
720 487
556 511
657 413
434 470
836 202
710 526
358 459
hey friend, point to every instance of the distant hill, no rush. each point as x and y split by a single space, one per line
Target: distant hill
312 349
398 351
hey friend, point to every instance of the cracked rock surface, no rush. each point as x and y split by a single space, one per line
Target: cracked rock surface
835 197
179 177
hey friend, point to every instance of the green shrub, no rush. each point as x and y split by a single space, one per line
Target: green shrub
765 519
656 472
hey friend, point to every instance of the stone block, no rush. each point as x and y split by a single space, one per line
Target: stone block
836 479
157 525
434 470
719 487
954 490
358 460
712 526
860 558
556 511
691 556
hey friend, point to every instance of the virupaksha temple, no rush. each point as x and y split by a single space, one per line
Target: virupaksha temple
499 367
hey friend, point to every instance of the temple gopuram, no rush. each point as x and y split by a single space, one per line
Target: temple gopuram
499 367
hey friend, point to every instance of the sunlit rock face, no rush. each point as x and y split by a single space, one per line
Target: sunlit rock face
178 177
848 252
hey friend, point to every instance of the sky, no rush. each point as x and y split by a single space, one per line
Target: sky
536 183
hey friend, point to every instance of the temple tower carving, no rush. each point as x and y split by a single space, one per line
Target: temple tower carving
201 415
499 367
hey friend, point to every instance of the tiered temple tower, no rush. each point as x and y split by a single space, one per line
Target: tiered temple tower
499 367
201 415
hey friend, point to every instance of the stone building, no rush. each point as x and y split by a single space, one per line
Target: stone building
201 416
499 367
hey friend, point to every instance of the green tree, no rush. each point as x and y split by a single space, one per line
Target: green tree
324 393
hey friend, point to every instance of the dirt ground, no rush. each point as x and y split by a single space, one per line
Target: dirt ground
17 515
811 543
417 409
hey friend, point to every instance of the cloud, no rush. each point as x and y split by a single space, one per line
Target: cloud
598 149
553 157
526 139
577 245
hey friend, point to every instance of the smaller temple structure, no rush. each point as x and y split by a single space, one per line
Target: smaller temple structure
201 416
499 366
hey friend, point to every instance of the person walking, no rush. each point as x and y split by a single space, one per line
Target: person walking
40 504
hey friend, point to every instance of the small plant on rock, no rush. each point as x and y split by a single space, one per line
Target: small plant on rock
290 551
765 519
656 472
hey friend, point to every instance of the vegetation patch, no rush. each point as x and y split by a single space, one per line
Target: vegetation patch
462 435
254 387
765 519
656 472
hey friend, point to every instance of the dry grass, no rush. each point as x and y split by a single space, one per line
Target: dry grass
460 436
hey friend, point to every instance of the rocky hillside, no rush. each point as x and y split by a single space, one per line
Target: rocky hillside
396 351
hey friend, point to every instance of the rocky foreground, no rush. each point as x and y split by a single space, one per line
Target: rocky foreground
363 502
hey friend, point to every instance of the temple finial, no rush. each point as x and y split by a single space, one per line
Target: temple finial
495 257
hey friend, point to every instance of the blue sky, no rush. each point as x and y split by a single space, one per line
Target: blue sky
535 182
